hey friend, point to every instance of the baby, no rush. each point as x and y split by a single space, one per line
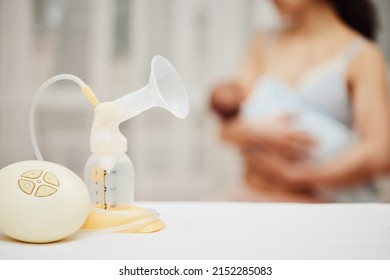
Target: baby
331 136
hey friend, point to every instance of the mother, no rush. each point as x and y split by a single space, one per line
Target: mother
325 55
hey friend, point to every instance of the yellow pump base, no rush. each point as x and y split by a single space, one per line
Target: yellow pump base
129 220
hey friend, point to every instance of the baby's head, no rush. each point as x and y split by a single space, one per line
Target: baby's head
226 100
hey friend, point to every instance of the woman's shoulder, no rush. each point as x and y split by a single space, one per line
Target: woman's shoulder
370 55
368 51
368 65
372 51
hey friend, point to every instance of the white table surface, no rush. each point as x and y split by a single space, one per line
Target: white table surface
209 230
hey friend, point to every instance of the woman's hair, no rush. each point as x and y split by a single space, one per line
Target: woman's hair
358 14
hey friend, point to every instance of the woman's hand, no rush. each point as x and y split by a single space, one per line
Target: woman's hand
281 136
272 134
291 173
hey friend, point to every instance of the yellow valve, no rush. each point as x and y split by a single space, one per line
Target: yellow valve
90 95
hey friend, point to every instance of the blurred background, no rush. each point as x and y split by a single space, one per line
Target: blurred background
109 44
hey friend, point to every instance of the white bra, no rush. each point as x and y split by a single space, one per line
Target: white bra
320 99
323 86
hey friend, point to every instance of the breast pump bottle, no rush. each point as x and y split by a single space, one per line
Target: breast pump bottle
109 172
110 179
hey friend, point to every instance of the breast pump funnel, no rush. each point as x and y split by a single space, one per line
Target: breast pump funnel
165 89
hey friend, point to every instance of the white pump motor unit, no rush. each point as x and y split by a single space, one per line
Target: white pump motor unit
41 201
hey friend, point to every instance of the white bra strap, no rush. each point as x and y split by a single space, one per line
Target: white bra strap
354 49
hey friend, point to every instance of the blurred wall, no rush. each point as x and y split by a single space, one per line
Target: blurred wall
109 44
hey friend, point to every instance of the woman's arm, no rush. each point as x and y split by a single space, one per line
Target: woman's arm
371 106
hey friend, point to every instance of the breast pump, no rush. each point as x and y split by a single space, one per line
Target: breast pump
109 172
